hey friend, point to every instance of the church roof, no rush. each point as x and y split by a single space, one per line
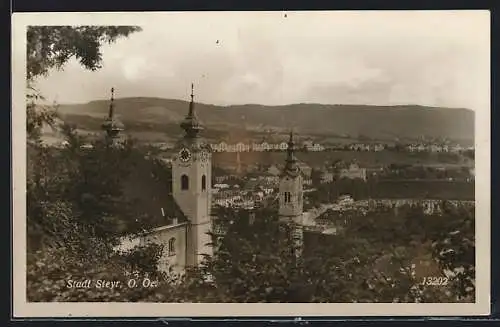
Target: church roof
149 185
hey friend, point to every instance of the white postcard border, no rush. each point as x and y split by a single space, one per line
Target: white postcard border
21 308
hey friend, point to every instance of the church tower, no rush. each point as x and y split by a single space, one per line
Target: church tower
191 185
291 197
111 125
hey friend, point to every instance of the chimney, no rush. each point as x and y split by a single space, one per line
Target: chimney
174 221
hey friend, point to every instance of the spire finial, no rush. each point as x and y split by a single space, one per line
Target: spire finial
111 104
191 104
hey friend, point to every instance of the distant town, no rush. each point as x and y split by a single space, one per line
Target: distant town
240 181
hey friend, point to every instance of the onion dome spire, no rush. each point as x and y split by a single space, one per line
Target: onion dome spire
112 126
191 125
291 168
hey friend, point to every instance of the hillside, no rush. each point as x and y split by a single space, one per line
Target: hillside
379 122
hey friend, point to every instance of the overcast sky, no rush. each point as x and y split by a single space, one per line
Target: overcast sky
427 58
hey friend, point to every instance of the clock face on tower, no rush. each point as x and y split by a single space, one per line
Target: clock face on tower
184 155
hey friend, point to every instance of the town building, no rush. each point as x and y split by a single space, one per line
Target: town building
283 146
353 171
327 177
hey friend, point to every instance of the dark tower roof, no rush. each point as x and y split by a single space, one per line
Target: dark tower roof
291 167
112 126
149 186
191 125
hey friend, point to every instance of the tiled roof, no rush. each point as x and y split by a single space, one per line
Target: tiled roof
150 186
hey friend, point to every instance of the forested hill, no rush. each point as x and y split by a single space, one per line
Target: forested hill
349 120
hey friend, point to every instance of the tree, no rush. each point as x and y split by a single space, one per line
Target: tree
253 263
50 218
76 210
51 47
454 249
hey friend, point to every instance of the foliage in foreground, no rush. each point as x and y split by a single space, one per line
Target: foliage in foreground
381 257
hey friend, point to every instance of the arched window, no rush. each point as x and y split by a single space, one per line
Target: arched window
203 183
184 182
171 246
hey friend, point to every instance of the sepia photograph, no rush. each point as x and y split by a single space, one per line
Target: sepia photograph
251 163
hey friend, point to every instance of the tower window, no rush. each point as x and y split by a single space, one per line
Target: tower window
184 182
288 197
203 183
171 246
